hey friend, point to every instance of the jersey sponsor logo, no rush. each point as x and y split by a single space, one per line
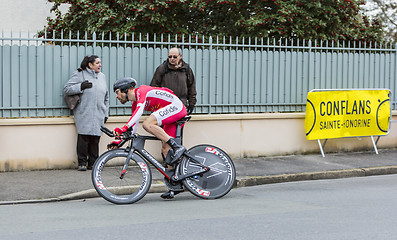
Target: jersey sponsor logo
164 93
168 110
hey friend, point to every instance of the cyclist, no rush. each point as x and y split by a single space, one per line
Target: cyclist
166 109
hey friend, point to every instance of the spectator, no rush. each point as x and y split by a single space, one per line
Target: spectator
176 75
92 111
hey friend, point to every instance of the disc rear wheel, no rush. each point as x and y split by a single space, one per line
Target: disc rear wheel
215 183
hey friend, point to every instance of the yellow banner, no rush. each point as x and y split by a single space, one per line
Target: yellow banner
347 113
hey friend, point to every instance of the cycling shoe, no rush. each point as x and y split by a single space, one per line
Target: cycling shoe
170 194
178 151
174 189
169 158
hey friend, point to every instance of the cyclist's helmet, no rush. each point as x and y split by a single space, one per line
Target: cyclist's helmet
124 83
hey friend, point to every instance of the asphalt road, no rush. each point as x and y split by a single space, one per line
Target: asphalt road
348 208
69 184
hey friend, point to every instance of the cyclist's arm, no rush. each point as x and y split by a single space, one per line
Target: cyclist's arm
136 115
137 109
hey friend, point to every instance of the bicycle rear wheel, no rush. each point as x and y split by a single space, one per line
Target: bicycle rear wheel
106 177
215 183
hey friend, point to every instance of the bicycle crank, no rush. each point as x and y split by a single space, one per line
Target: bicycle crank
180 177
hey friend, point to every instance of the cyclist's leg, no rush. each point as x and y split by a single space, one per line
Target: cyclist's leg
169 127
152 125
167 115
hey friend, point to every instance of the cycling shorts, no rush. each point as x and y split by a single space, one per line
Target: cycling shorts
168 115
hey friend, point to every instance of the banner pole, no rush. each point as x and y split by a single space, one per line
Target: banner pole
321 147
373 142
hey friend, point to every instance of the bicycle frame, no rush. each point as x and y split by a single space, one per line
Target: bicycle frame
138 143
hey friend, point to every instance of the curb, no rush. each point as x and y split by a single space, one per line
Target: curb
90 193
334 174
240 182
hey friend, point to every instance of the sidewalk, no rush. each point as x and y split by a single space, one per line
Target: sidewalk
57 185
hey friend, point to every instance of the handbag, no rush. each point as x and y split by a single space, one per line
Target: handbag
73 100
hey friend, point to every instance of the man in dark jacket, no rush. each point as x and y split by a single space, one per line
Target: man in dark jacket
176 75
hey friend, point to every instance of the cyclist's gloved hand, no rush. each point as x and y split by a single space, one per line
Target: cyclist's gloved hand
105 120
190 109
113 144
85 84
120 131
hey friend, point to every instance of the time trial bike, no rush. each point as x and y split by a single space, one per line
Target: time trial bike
123 175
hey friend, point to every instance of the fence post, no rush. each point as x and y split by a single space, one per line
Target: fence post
94 40
209 74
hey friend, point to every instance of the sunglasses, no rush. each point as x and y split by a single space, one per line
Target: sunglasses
174 56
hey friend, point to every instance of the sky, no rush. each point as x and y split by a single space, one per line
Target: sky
24 15
371 9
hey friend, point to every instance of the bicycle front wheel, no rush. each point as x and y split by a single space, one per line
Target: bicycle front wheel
116 187
215 183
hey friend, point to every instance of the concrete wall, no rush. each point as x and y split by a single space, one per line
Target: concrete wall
50 143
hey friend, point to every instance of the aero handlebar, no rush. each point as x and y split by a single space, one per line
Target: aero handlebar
107 131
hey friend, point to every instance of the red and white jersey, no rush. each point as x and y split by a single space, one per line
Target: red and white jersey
152 99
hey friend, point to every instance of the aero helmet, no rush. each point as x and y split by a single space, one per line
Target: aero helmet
124 83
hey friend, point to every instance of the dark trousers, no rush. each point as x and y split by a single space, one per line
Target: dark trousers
87 149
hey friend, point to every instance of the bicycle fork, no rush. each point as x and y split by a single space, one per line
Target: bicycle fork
126 163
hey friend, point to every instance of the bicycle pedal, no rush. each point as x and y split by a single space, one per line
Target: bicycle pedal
174 178
170 194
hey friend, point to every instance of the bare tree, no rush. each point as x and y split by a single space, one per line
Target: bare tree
386 12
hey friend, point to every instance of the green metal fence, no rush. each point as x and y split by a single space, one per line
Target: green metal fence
232 75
